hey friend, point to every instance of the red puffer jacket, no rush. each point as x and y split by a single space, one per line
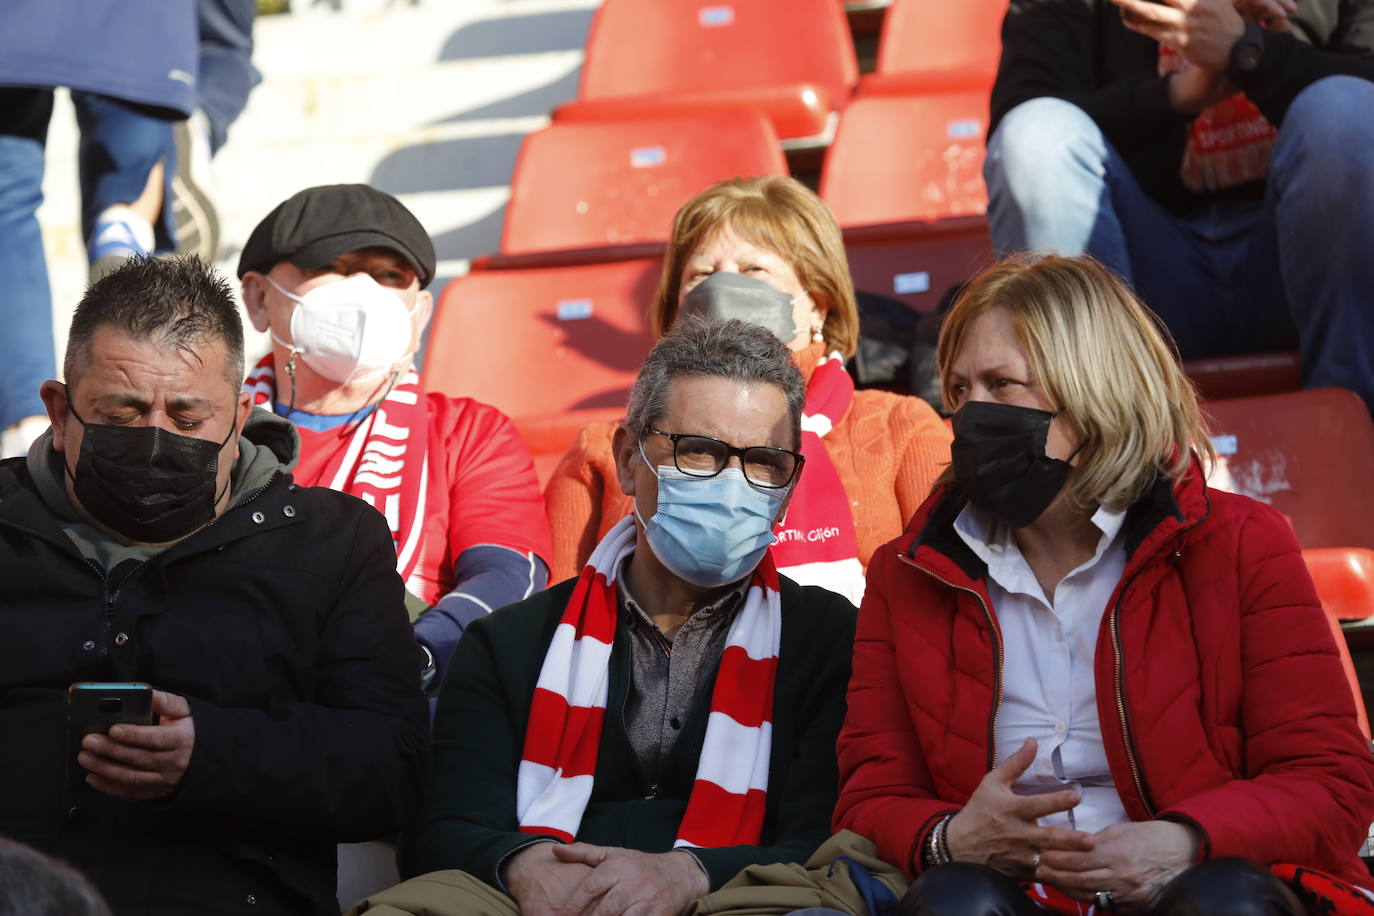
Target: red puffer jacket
1219 688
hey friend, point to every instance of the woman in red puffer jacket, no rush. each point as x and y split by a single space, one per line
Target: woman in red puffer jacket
1082 670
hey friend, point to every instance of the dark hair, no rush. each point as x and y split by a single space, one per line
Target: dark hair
31 884
179 301
726 348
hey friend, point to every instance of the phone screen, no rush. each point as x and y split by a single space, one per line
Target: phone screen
94 707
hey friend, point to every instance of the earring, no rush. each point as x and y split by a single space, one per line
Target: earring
817 336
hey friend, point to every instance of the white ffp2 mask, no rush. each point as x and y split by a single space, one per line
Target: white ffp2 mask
352 330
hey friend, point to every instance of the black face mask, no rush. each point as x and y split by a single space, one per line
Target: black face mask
999 460
145 483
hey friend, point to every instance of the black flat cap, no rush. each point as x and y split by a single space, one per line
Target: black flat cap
315 226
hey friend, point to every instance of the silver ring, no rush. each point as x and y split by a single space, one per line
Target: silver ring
1035 860
1106 900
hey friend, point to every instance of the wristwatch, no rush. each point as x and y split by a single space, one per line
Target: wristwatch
1248 52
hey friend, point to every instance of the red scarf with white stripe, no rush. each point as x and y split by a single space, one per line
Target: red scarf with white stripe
558 765
816 543
1229 143
381 460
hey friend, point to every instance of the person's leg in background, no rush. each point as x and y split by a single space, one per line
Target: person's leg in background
26 352
1055 184
226 78
126 161
1321 195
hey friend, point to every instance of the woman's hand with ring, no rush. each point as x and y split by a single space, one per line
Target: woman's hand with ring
1132 862
999 828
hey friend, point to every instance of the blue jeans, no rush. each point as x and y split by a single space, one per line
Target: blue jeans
1291 269
120 143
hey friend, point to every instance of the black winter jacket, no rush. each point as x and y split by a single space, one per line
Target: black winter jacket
469 822
282 623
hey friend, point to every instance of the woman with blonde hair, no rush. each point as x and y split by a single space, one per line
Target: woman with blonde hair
767 250
1081 669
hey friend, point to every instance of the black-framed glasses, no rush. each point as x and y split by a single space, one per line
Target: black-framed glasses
703 456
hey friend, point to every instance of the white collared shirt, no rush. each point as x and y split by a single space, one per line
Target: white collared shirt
1048 647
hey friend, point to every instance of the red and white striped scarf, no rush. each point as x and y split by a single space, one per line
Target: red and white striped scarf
384 463
558 764
816 543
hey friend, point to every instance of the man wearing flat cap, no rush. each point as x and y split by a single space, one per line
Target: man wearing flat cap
337 275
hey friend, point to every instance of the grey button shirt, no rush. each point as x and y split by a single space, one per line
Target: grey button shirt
666 675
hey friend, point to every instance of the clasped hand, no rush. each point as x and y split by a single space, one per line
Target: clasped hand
142 762
579 879
1000 829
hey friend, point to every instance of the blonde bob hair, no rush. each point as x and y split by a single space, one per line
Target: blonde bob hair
782 215
1103 360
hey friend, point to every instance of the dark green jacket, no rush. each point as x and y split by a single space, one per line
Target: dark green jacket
468 819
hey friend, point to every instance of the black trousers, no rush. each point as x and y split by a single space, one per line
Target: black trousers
1216 887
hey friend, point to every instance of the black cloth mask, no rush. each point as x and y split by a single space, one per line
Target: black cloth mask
999 460
146 483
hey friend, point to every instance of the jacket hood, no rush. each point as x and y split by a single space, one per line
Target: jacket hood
269 446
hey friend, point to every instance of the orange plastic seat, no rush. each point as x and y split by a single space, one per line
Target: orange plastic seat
903 158
917 262
1345 580
1351 677
587 185
904 178
793 60
550 436
1246 375
929 46
536 342
1309 454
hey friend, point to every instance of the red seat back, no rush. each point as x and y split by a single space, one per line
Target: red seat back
586 185
907 158
1309 454
929 44
535 342
647 47
1245 375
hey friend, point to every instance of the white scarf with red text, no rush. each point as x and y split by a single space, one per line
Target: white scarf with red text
816 542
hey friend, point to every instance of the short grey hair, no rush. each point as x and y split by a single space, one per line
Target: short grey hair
713 347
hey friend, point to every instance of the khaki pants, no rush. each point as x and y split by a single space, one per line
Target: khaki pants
759 890
439 893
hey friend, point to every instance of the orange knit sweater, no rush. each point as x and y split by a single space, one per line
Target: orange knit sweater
887 448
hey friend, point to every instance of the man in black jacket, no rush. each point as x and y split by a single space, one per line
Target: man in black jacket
629 740
154 535
1244 221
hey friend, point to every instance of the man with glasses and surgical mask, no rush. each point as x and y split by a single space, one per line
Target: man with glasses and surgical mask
336 275
630 739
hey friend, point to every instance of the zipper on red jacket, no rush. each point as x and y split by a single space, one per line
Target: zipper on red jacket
996 651
1120 690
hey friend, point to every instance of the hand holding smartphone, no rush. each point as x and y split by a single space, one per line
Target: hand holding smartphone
93 707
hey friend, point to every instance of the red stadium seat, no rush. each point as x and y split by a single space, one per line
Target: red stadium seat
1247 375
1345 580
1309 454
1348 665
905 180
929 46
549 436
791 59
588 185
917 262
536 342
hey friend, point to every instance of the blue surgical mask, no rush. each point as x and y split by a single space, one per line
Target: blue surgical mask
711 530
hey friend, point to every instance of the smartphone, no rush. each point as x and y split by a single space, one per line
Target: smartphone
94 707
